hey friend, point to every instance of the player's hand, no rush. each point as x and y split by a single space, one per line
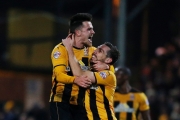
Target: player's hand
69 41
82 81
98 66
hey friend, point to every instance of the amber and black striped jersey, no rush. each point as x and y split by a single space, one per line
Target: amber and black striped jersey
63 88
99 98
127 106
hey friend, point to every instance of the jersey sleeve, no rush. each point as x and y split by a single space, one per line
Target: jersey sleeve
144 103
59 56
59 59
105 78
112 68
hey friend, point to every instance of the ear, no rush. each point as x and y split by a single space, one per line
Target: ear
108 60
78 32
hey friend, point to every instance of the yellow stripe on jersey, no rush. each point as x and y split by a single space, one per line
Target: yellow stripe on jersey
81 63
99 98
127 106
63 88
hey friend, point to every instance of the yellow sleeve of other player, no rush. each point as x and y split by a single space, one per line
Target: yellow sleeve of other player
105 78
112 68
144 103
59 59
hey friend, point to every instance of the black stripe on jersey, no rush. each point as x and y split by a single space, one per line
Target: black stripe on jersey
117 114
129 115
81 94
106 104
137 113
67 90
54 90
85 60
93 105
59 65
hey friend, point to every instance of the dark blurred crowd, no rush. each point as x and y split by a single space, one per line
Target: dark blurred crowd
160 80
11 110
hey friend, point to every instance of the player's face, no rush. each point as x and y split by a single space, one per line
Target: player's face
120 78
87 33
100 54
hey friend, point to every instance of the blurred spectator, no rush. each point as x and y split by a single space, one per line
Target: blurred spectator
161 82
9 111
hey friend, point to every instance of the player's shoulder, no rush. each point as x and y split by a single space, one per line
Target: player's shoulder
59 46
138 92
92 47
59 49
107 74
135 90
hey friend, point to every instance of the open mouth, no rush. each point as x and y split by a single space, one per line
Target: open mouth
93 58
90 39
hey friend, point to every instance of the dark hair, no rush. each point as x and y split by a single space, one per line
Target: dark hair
113 52
77 19
125 70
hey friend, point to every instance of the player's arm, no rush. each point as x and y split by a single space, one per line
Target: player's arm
102 66
75 67
59 61
146 115
58 57
144 107
105 77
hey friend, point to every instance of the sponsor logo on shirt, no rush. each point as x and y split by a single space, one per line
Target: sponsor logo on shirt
123 107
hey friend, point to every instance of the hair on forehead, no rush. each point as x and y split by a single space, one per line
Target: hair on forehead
80 17
113 52
76 21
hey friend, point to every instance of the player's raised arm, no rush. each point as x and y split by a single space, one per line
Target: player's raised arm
76 69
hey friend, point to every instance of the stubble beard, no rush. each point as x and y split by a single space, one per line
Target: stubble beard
88 44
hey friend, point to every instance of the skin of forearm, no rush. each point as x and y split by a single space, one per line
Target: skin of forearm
76 69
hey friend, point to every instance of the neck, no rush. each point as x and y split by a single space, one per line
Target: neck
91 64
78 43
125 88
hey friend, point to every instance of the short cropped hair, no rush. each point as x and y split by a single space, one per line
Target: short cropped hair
77 20
125 70
113 52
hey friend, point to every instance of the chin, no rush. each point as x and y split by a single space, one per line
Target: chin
88 44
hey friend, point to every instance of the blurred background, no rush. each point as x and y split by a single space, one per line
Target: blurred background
147 33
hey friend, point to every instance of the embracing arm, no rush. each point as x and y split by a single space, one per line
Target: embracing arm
59 61
76 69
59 58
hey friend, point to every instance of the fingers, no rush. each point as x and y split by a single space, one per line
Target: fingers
95 61
86 83
73 37
95 67
83 81
69 35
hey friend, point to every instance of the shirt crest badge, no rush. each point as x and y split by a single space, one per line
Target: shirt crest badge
56 54
103 75
86 51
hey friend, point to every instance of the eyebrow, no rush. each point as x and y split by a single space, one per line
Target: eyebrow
101 49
